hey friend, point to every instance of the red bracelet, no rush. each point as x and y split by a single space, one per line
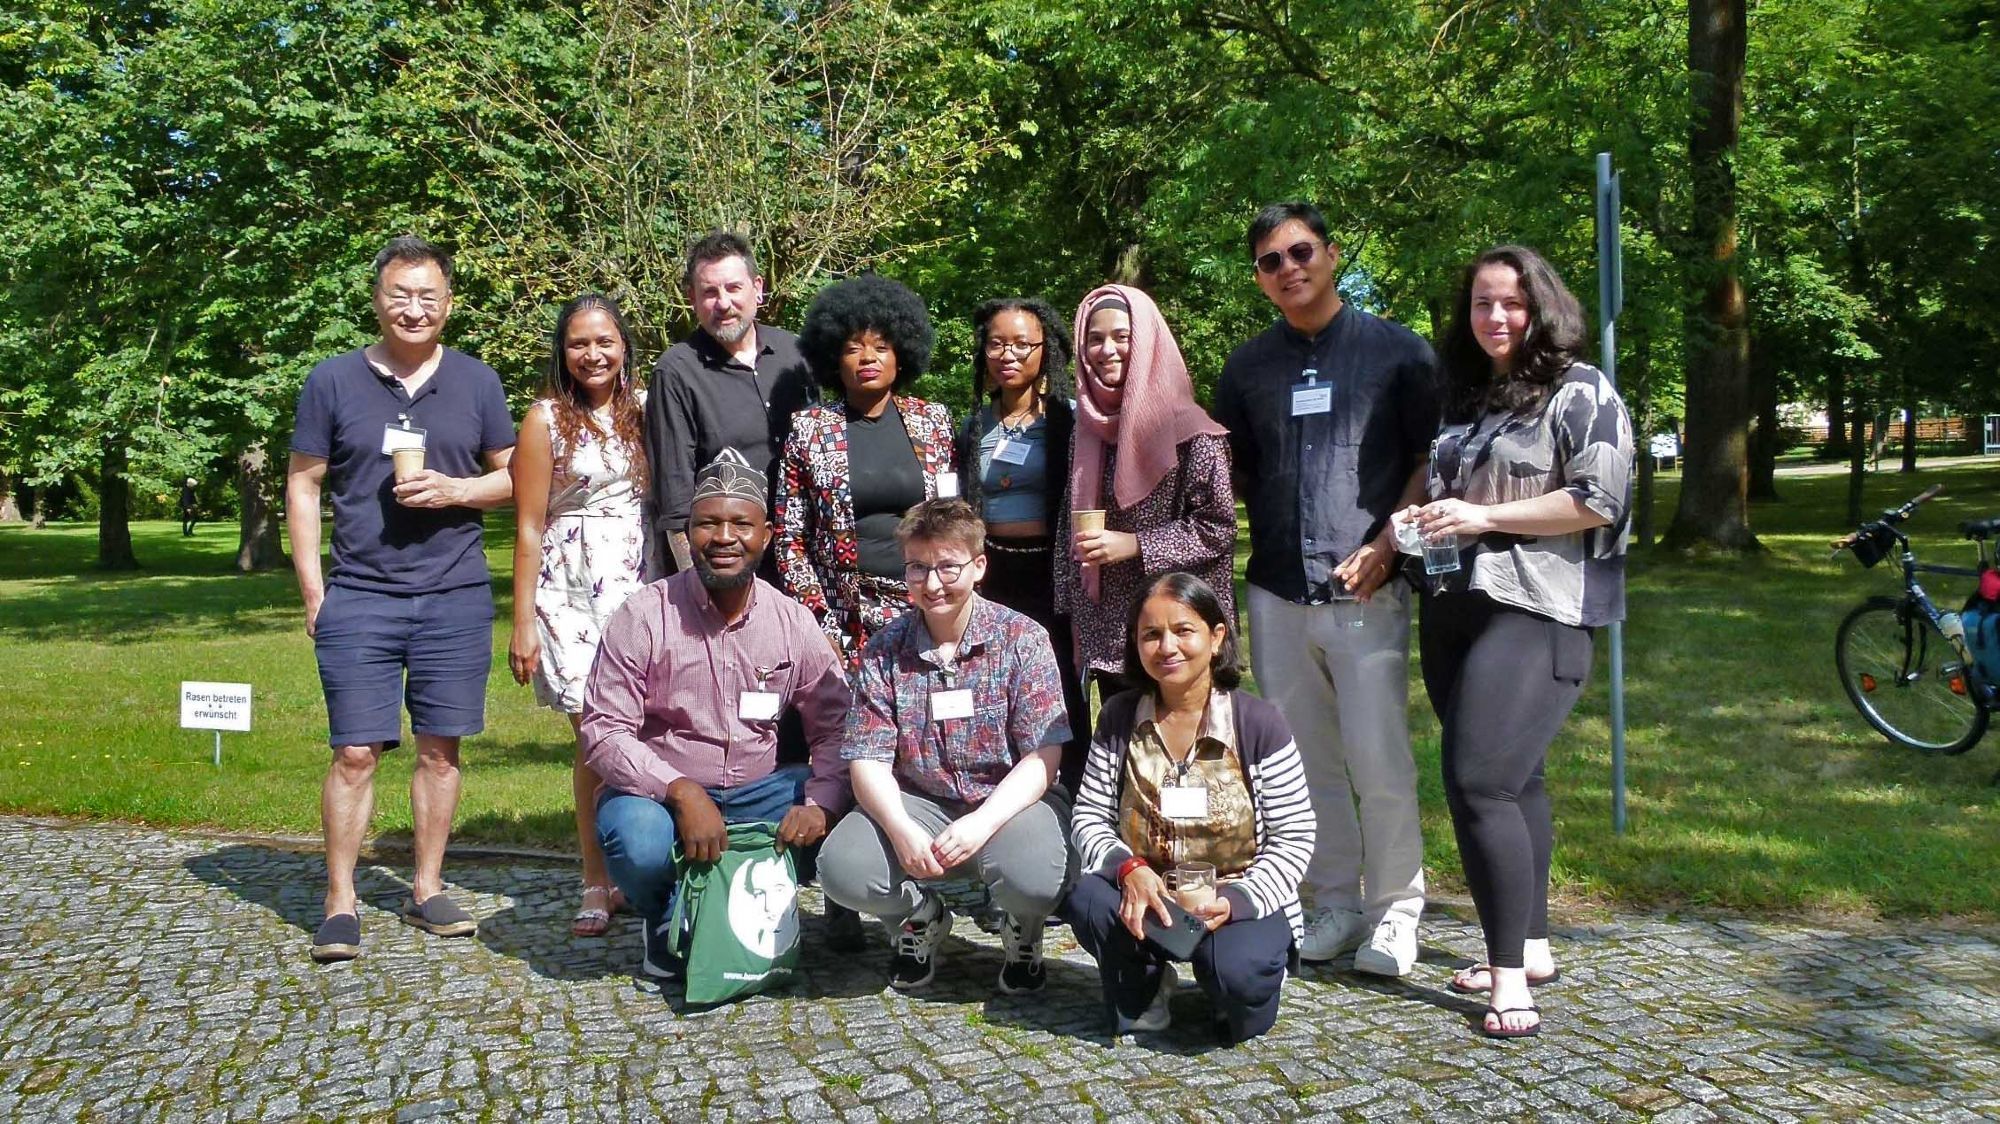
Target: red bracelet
1130 865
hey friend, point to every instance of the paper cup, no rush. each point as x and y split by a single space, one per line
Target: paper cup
409 462
1089 519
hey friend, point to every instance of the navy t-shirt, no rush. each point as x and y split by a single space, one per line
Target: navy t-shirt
379 544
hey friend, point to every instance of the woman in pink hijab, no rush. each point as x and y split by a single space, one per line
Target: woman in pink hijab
1150 458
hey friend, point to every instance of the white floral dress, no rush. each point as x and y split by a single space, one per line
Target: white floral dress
593 557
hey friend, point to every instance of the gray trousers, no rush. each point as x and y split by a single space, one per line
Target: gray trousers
1026 866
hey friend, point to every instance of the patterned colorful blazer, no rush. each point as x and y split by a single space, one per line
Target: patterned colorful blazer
818 553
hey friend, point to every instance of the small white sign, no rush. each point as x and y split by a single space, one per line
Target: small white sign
215 706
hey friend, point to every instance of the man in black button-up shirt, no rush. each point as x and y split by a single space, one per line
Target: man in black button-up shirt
1331 412
731 384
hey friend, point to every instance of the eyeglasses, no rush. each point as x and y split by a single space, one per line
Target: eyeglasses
996 348
916 573
397 298
1301 253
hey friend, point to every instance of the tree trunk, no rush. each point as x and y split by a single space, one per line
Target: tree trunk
114 511
10 510
1909 425
1714 502
1766 441
1857 461
41 516
1836 415
261 542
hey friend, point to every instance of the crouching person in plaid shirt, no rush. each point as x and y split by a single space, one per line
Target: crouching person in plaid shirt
953 742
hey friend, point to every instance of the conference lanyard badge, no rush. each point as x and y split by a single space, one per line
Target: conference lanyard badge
952 702
762 704
401 435
1312 395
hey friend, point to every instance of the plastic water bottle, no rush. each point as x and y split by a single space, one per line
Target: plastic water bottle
1953 627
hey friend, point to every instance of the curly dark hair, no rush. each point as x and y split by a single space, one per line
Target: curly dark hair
572 409
1057 382
1225 668
1553 341
847 308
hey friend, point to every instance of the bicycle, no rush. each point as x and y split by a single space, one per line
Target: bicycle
1903 662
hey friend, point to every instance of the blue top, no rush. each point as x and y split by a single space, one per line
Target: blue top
1013 493
1319 485
378 544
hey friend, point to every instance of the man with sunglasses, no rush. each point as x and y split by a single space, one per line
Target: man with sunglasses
1331 412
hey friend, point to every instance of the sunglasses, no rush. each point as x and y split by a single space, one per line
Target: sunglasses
1301 253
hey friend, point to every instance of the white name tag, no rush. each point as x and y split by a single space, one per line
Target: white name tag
758 706
1184 803
1312 398
946 705
1011 452
947 485
395 437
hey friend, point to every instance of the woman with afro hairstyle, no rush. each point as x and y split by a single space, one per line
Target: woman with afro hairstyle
856 462
1532 471
1013 461
579 474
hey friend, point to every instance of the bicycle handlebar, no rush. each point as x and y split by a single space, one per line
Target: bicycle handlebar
1890 517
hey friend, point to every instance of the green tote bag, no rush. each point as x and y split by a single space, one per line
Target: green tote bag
735 921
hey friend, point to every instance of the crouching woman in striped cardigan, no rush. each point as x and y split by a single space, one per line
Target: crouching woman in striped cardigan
1186 771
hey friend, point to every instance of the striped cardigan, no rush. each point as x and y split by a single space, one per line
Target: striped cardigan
1277 783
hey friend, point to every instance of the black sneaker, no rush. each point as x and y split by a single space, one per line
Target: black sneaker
658 962
338 938
914 964
843 929
1023 970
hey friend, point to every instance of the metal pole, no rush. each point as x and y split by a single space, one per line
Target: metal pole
1611 301
218 749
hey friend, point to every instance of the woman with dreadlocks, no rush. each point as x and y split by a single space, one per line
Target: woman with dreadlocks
579 476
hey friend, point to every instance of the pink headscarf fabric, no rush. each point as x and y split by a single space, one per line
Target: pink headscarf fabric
1153 412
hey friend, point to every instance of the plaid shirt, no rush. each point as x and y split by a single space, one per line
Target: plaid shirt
1017 703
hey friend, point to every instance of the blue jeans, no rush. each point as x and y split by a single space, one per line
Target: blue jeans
638 833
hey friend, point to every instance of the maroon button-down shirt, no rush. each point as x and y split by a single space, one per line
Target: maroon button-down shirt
663 698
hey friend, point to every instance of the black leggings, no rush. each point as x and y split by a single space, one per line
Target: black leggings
1503 682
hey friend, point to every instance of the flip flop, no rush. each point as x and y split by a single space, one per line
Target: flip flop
1503 1032
1452 985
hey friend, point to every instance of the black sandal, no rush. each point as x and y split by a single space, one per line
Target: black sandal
1503 1032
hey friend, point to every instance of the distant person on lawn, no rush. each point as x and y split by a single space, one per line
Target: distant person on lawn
406 615
189 504
682 708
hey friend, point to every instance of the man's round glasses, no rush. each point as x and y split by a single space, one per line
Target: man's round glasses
997 348
916 573
1300 252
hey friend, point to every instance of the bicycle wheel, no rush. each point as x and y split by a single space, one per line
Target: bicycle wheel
1905 679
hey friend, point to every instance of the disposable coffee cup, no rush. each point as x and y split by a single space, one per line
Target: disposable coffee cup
409 462
1088 519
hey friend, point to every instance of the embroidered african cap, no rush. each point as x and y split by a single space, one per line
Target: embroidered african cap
729 476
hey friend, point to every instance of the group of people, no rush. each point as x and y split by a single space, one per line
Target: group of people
773 586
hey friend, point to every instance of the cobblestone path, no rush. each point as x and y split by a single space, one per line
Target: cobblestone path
147 975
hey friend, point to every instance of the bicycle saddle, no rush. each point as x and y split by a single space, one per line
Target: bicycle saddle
1980 528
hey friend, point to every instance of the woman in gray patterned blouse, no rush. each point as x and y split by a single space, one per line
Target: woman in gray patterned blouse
1532 472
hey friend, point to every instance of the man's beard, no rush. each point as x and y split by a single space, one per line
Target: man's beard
731 335
719 582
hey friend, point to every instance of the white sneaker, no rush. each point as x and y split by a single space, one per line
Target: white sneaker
1332 933
1158 1016
1391 950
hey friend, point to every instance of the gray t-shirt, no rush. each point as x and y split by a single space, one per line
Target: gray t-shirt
1579 441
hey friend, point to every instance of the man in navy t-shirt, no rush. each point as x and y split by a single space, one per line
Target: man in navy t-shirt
410 440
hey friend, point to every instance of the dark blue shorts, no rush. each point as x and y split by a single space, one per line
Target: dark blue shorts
366 642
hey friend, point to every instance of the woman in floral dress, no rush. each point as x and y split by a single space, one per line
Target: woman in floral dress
579 474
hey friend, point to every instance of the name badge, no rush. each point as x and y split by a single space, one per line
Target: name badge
395 437
947 485
1011 452
1188 802
946 705
1312 398
758 706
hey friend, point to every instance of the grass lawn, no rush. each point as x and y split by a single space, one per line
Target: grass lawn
1752 784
